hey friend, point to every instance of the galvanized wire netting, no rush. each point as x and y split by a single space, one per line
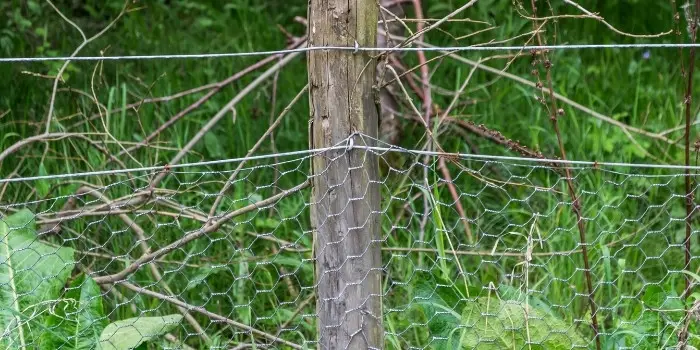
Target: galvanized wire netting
477 252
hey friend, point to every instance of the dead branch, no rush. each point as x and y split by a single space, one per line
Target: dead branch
214 90
212 226
253 149
85 42
142 239
205 312
58 136
225 110
558 96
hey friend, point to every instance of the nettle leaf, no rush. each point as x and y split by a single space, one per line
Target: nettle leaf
506 292
78 319
492 322
132 332
31 273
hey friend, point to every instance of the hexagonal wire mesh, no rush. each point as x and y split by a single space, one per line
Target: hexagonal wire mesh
477 252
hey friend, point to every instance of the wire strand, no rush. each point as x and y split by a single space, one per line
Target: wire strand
352 48
348 145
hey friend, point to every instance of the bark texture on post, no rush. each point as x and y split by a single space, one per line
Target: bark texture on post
345 205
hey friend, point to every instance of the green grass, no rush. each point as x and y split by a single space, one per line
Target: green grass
634 223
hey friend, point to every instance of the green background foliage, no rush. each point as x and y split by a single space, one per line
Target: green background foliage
45 294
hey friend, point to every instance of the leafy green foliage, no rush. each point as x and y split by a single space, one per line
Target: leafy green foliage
33 308
640 92
213 146
132 332
31 273
78 318
493 322
662 310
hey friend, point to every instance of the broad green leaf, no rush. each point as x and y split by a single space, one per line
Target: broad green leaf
78 319
490 323
132 332
31 273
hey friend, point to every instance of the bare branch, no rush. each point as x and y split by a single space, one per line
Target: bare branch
204 230
601 20
205 312
157 276
252 150
558 96
215 88
57 136
225 110
85 42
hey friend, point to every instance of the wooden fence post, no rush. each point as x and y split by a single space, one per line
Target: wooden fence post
346 200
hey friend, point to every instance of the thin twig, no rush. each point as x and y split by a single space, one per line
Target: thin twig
58 136
86 41
211 227
209 314
601 20
273 144
106 118
559 97
432 26
189 213
457 199
115 258
14 173
499 138
424 69
457 95
253 149
224 111
554 113
214 90
429 20
296 312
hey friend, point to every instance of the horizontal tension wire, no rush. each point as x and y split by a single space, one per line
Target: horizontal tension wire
352 48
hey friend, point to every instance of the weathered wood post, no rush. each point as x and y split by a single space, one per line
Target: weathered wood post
345 204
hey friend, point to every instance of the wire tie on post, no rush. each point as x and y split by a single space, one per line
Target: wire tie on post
357 48
351 143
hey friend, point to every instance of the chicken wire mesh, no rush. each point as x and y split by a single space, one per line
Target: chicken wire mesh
478 252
